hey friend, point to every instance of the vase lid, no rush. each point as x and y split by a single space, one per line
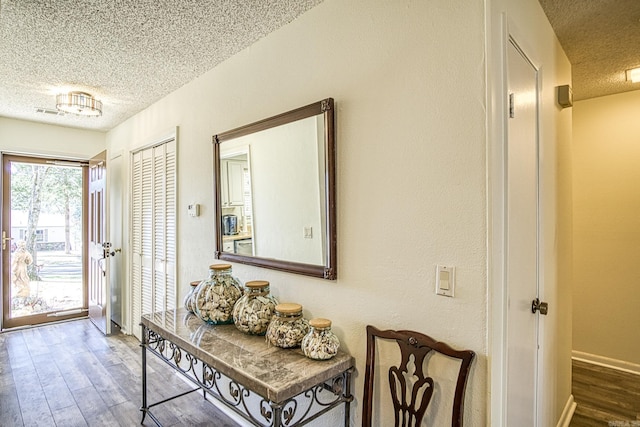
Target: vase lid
320 323
288 308
257 284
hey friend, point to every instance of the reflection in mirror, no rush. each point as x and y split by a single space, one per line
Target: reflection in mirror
275 192
237 212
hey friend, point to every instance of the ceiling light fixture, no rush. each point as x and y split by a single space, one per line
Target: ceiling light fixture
633 75
80 103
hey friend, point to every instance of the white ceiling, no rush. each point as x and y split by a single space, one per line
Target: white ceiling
126 53
601 39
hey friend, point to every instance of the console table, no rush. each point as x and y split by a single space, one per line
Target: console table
266 385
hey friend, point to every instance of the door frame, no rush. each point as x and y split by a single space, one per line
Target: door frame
5 258
499 35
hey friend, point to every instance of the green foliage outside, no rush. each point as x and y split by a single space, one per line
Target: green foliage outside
37 188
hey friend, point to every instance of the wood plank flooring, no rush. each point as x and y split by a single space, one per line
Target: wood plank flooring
605 397
69 374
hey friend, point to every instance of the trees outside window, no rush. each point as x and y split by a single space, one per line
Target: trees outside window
54 189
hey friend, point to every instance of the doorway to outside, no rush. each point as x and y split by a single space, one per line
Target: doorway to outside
43 240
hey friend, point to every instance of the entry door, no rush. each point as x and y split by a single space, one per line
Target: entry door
43 241
99 247
522 239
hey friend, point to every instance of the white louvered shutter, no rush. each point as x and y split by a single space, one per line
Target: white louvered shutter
153 193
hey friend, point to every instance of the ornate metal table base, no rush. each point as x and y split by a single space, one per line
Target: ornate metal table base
258 410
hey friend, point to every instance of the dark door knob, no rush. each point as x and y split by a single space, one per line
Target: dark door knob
537 305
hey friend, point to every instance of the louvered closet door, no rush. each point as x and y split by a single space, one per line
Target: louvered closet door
153 233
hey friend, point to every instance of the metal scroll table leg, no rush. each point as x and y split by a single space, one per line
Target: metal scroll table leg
277 414
347 397
143 344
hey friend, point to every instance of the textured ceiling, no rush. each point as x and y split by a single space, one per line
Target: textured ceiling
130 53
127 53
601 39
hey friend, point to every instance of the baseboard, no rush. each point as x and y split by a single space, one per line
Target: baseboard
567 413
607 362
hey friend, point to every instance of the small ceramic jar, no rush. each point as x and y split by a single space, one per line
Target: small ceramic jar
254 310
287 327
216 295
320 343
189 302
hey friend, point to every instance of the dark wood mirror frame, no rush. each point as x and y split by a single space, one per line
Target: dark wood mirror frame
326 271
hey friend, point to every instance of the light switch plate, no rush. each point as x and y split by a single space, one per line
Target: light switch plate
307 232
193 209
445 280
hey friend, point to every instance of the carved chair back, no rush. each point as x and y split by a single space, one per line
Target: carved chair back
412 397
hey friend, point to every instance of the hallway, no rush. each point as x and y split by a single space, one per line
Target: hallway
605 397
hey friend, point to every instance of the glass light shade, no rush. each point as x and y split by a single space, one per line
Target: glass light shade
80 103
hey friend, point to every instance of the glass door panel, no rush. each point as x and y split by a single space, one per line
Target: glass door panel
43 241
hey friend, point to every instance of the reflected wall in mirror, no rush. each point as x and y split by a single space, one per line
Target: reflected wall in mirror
275 192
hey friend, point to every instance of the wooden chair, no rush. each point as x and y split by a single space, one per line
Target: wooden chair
416 346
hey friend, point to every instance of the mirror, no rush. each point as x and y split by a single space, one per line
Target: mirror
275 192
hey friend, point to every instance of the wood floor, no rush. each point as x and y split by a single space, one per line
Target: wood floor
69 374
605 397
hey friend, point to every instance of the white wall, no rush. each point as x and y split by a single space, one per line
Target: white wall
408 82
24 137
607 227
408 79
526 22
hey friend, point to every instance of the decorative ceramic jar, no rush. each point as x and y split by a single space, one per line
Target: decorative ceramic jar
287 327
216 295
254 310
189 302
320 343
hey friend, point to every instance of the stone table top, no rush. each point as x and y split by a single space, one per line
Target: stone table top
274 373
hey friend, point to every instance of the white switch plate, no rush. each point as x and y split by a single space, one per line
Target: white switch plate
307 232
445 280
193 209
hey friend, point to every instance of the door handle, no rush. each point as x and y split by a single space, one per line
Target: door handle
115 251
537 305
106 246
4 240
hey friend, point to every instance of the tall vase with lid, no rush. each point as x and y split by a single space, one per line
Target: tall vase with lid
216 295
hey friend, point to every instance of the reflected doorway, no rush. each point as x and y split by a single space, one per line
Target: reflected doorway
43 240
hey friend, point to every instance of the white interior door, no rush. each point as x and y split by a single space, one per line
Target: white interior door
522 239
116 261
99 247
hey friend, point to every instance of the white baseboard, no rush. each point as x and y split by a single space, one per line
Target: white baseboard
567 412
607 362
